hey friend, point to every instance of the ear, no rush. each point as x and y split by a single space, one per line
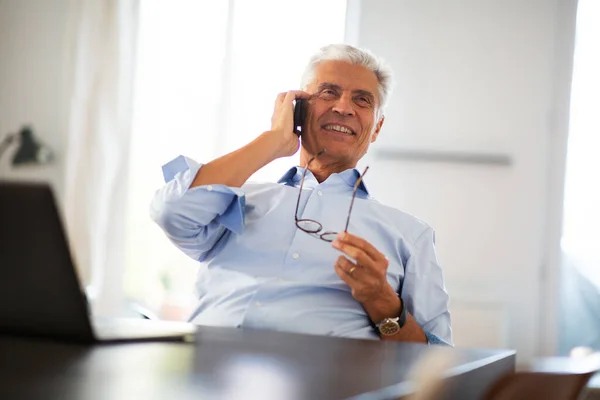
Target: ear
377 129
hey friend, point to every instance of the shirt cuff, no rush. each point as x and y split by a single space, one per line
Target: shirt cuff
433 339
178 164
228 203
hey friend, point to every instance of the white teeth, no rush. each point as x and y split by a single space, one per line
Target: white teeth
338 128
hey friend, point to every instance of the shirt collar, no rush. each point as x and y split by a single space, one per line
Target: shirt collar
350 176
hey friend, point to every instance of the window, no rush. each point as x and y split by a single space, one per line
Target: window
582 195
206 80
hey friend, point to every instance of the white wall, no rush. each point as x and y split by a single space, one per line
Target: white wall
478 76
34 81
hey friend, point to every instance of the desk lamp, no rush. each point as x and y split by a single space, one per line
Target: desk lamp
30 151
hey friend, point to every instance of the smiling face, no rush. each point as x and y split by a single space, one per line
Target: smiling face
343 114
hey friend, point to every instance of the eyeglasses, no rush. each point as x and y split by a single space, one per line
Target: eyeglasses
313 227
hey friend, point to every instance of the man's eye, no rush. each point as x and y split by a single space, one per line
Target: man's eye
364 100
328 92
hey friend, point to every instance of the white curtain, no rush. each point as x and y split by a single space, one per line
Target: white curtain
103 50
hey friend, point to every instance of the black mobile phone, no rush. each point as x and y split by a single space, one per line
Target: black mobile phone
299 115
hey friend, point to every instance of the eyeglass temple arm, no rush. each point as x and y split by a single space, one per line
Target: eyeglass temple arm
302 183
358 181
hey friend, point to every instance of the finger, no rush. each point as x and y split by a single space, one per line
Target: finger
351 268
299 94
280 98
291 95
343 273
361 257
362 244
354 276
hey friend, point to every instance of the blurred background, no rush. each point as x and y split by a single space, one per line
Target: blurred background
491 136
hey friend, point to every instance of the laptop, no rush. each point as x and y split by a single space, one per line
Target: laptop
40 294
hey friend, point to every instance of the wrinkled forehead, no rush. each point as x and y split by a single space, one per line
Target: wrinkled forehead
349 77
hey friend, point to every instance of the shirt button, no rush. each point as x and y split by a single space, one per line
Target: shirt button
295 256
258 304
320 193
209 188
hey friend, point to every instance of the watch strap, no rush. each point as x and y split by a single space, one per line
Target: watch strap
402 316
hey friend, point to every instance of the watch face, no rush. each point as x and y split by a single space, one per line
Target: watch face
389 327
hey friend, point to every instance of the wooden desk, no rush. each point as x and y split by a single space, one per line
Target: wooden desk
233 364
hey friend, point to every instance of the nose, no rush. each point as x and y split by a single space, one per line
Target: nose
343 105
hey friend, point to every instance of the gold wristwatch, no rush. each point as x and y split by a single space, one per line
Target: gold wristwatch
391 326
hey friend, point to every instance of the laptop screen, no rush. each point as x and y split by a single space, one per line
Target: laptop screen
39 290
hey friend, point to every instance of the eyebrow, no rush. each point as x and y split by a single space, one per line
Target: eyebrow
326 85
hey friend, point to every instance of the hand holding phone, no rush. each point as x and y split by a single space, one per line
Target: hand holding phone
290 109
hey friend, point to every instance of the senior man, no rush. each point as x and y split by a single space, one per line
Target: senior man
313 253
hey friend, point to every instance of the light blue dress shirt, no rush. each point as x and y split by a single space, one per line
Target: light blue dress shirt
261 271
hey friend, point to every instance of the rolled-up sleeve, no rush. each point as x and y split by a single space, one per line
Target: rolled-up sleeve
194 219
424 291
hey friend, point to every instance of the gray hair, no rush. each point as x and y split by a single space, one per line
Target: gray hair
355 56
